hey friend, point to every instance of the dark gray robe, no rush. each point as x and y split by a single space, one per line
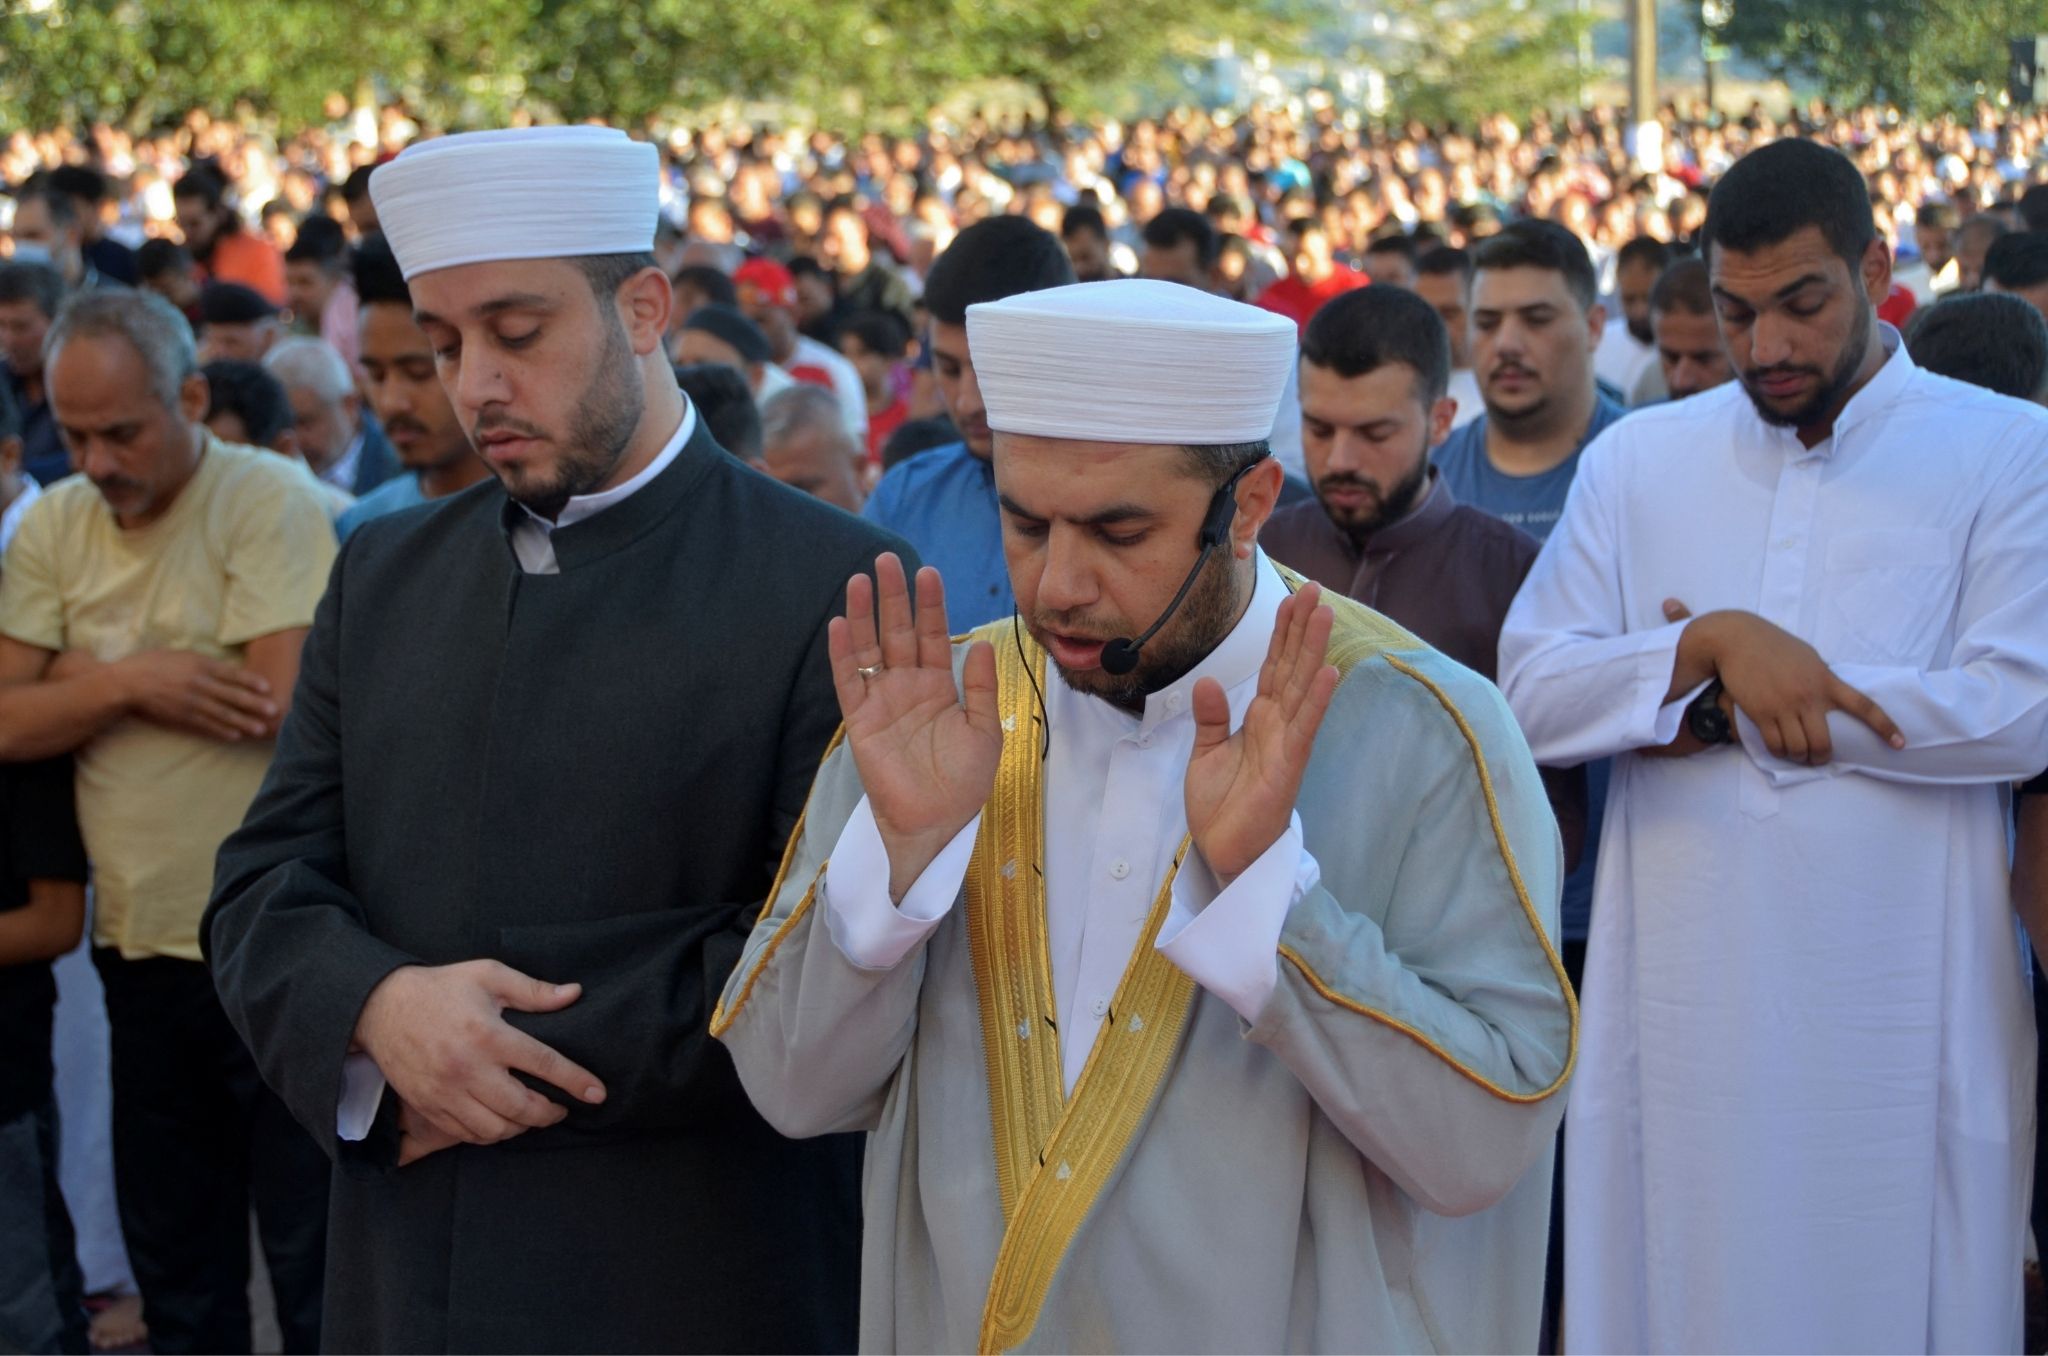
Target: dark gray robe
589 776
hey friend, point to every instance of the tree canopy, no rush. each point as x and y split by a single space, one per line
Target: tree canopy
1926 54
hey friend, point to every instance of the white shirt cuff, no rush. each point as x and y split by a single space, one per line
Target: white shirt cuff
362 1092
1227 939
1670 719
868 929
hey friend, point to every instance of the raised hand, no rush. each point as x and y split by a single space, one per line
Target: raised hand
927 750
1241 787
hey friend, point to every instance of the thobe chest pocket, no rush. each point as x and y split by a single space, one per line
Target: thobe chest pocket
1887 597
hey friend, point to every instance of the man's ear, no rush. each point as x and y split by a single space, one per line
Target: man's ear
10 457
194 399
1876 271
646 303
1258 494
1596 321
1441 416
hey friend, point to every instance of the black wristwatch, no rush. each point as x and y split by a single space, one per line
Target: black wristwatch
1705 719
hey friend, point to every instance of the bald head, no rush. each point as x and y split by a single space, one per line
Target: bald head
805 445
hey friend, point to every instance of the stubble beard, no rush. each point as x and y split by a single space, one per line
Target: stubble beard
600 430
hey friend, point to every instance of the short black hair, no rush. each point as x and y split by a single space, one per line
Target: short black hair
377 274
730 326
2033 207
992 259
607 273
1304 225
38 283
1778 190
1394 242
320 241
1081 217
1988 224
203 182
878 331
918 435
1175 225
1645 251
81 183
158 256
715 283
2017 260
726 404
1942 216
1534 243
1683 286
356 187
1986 339
252 394
1364 330
1443 261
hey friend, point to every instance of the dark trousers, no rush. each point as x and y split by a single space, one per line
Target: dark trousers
42 1294
1573 955
198 1141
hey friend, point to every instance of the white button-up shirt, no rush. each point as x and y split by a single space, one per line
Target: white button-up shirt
1115 814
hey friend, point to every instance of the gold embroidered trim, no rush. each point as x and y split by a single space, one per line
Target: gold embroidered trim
1500 837
1006 941
721 1020
1115 1092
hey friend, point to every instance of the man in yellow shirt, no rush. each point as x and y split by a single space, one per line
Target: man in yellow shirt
151 614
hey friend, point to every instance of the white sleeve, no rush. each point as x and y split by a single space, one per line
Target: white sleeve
1227 938
362 1092
1581 684
868 929
1982 717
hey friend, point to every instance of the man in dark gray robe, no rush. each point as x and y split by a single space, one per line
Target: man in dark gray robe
550 738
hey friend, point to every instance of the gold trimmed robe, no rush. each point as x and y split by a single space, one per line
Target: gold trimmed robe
1364 1168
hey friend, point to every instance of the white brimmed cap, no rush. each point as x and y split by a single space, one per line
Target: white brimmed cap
1130 361
525 193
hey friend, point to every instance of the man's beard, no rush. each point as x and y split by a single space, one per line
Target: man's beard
1211 609
1387 508
600 429
1829 392
1640 329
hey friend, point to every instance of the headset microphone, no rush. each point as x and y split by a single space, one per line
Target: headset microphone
1120 656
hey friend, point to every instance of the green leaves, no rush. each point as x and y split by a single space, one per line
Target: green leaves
1925 54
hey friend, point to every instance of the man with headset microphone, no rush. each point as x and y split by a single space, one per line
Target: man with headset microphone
1176 972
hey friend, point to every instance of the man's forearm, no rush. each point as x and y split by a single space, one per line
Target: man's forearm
55 716
2030 872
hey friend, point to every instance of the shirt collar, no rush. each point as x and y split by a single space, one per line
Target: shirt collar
584 506
1870 402
341 473
1426 517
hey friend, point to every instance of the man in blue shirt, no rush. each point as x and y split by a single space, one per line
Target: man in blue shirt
943 502
1536 321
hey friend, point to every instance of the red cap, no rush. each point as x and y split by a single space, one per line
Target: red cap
776 283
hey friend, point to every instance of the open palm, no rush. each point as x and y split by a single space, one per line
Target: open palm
927 748
1241 788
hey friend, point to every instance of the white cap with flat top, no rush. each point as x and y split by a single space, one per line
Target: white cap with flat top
1132 360
522 193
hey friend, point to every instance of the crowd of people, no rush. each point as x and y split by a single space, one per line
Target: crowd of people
339 843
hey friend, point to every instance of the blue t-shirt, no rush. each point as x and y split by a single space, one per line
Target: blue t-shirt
1534 504
943 502
399 492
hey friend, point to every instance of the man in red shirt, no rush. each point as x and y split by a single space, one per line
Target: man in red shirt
214 236
1314 276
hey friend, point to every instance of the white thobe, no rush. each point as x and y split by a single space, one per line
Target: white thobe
1115 816
1804 1112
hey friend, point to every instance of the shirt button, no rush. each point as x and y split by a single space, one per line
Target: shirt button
1099 1006
1119 869
1144 741
1787 543
1175 701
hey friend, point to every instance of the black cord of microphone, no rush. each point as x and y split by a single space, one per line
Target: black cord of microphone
1120 656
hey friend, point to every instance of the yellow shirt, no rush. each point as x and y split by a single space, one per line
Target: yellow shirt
243 552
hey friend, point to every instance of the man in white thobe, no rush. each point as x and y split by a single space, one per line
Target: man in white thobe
1809 613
